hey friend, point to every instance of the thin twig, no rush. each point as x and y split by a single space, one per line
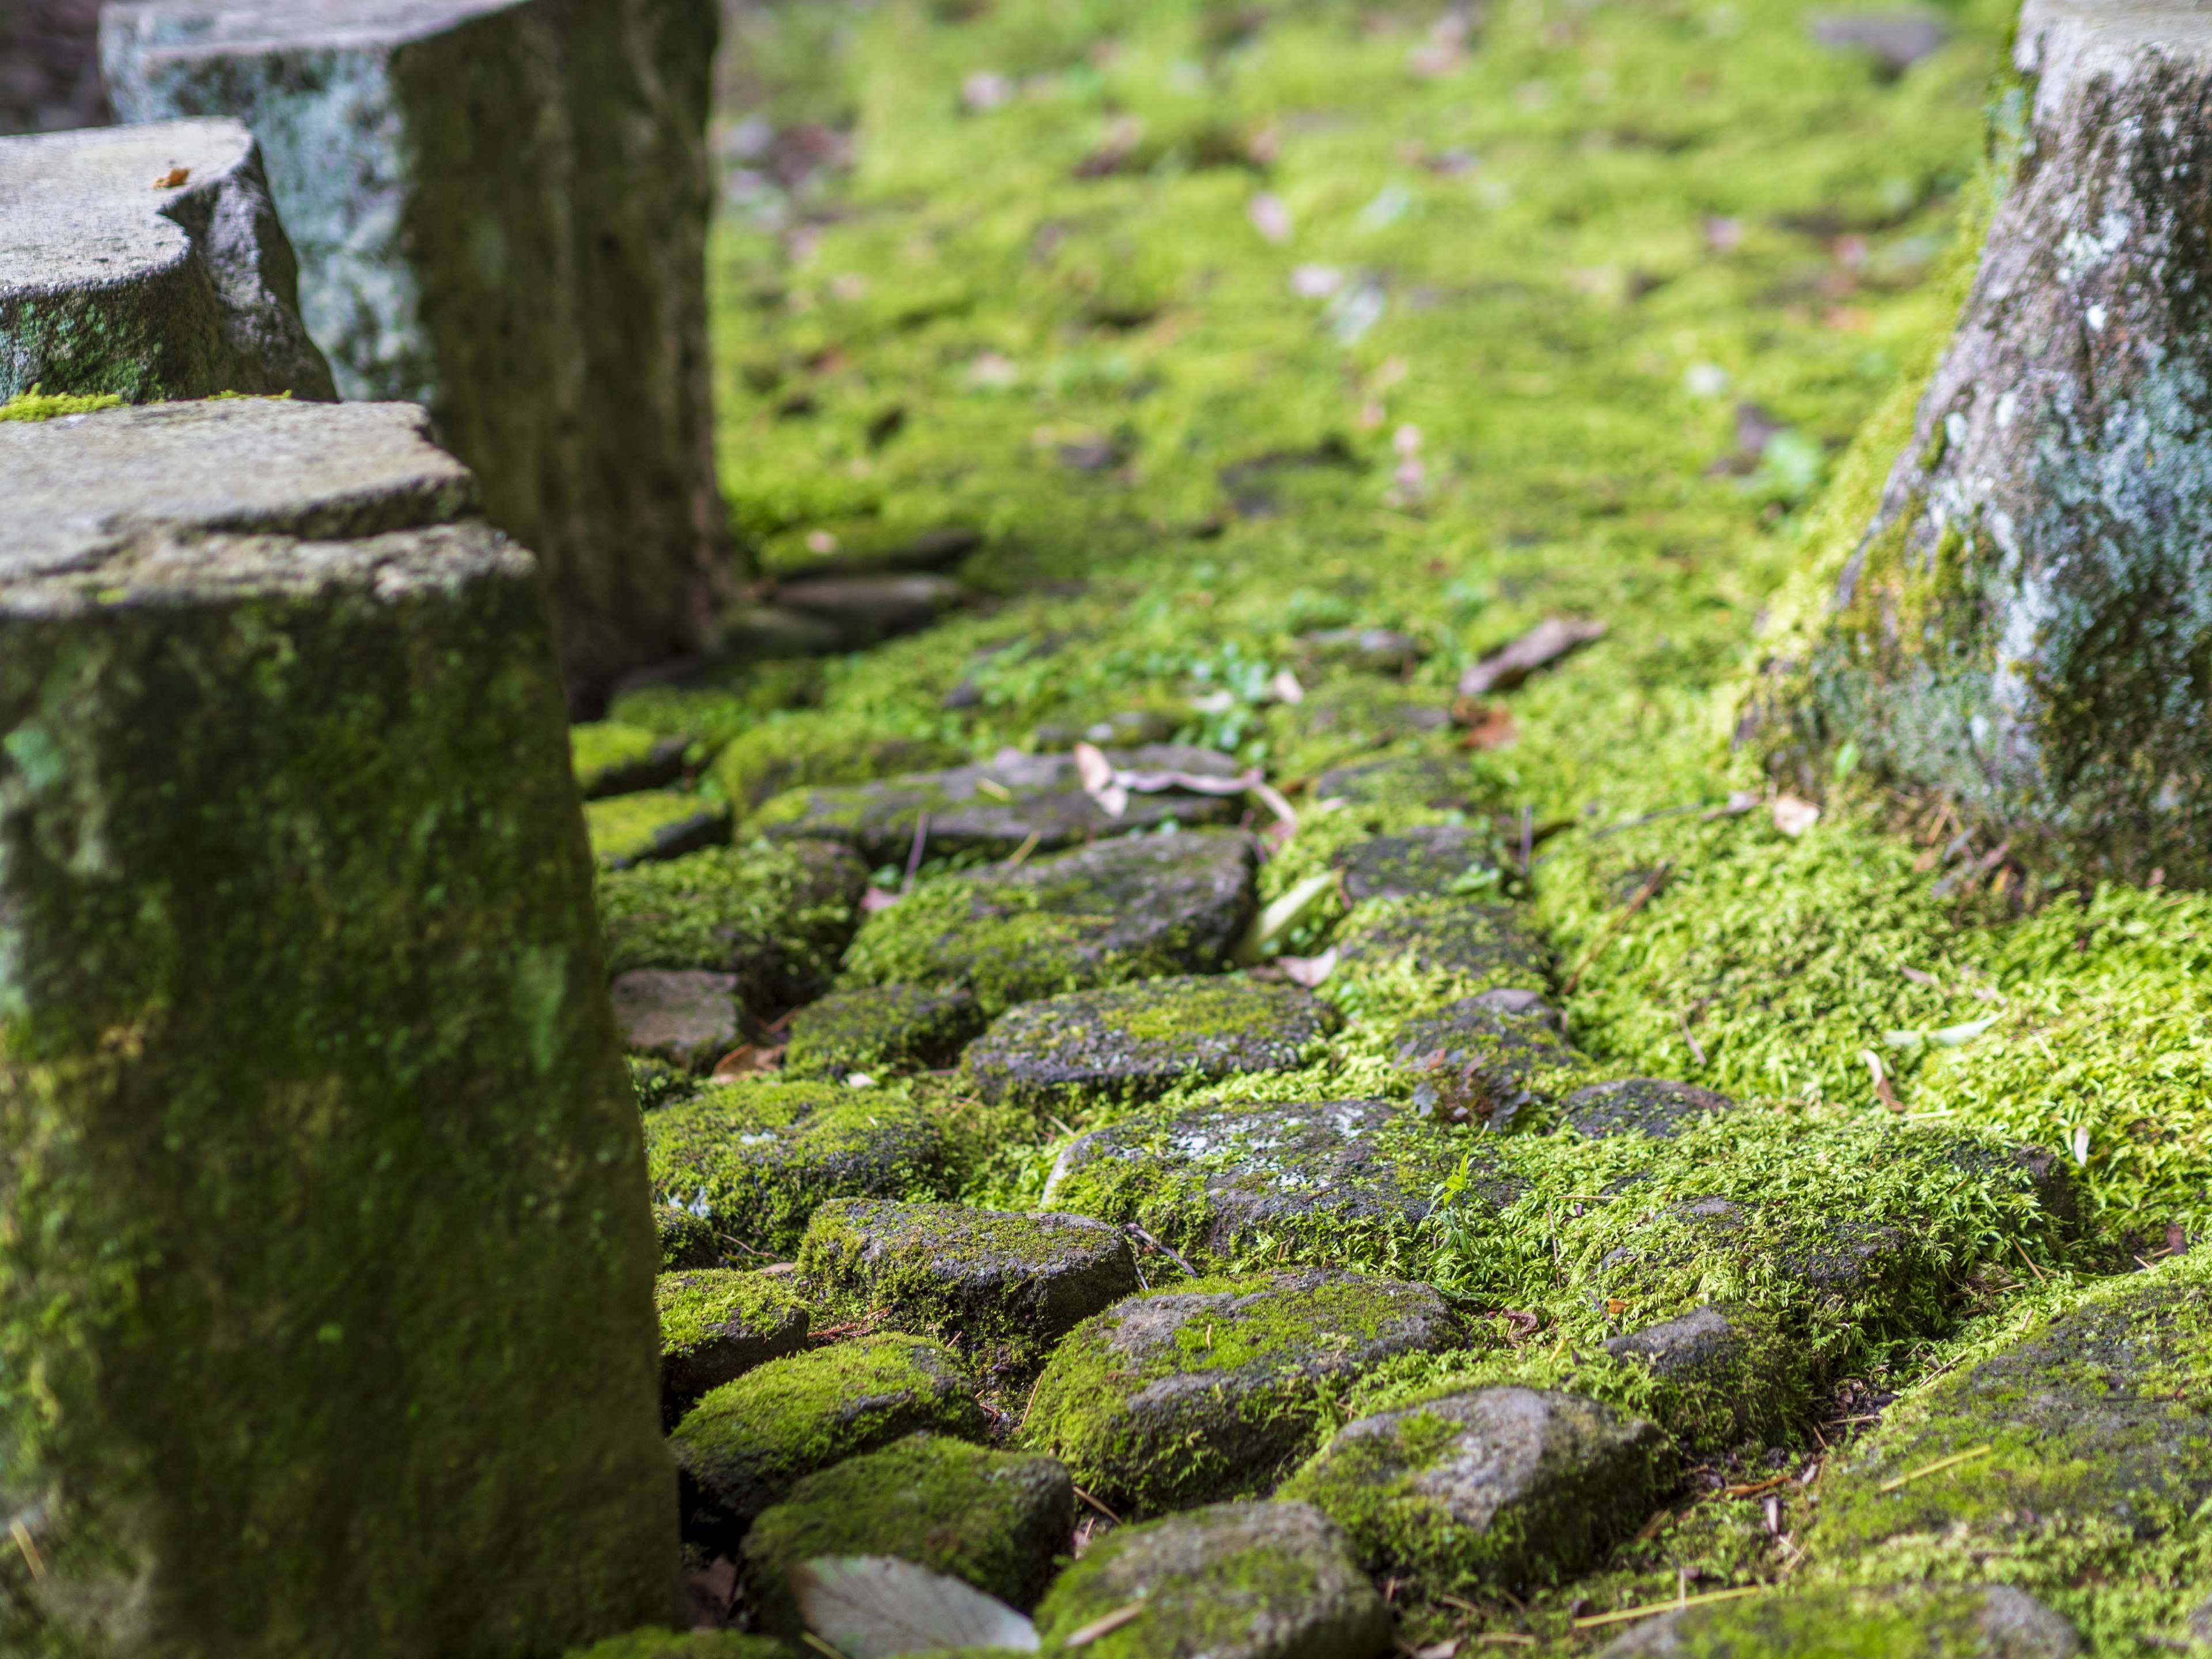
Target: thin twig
1142 1236
913 857
1937 1467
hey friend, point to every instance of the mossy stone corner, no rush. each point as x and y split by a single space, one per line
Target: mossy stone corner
147 264
717 1325
689 1020
1233 1581
807 750
1489 947
778 917
1488 1059
1722 1376
1325 1181
1214 1389
1134 909
1501 1485
756 1159
1125 1044
882 1029
1408 782
1426 861
687 1240
1905 1621
614 759
745 1445
342 1189
1655 1107
989 1281
654 824
997 1520
2096 1415
998 807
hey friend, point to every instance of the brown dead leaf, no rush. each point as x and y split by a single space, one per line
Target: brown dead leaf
748 1060
1542 645
1488 725
172 179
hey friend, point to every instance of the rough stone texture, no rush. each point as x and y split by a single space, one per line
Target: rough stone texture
1215 1390
1233 1581
758 1158
984 1279
688 1019
745 1445
1353 714
716 1326
995 1519
1320 1175
1421 863
653 825
2097 1414
1122 910
1723 1376
882 1029
1486 1059
618 760
1128 1043
339 1182
1504 1485
1491 944
500 209
88 488
1639 1105
859 611
1993 1621
995 808
2026 623
776 917
687 1240
115 280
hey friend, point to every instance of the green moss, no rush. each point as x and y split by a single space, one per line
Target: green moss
610 758
777 916
756 1158
687 1240
800 750
697 1309
37 405
745 1446
652 824
995 1519
1898 1623
1453 947
691 1645
881 1030
712 715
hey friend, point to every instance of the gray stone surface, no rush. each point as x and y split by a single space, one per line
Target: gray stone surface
1486 1059
1914 1621
83 489
980 1278
1496 1486
1896 40
1723 1375
688 1020
859 611
1495 944
996 808
147 264
1317 1175
500 208
1420 863
1435 780
1232 1581
1215 1390
1128 1043
1639 1105
337 1162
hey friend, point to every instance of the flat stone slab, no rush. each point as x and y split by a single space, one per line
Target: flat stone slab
1128 1043
1213 1390
986 1280
688 1020
613 759
84 488
1431 781
1496 1485
1431 861
756 1159
996 809
654 825
859 611
1909 1622
1486 1059
776 917
1724 1375
996 1520
147 263
2099 1414
1122 910
1490 944
1316 1175
717 1325
1233 1581
745 1445
881 1030
1656 1107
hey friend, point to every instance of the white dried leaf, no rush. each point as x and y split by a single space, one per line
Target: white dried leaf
877 1607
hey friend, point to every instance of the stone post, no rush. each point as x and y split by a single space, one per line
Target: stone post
147 263
501 208
326 1319
2025 620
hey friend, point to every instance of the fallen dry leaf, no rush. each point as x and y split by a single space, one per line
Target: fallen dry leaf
1542 645
1488 725
1312 972
173 178
877 1607
1793 816
748 1060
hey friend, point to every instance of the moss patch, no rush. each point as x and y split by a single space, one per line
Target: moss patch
881 1030
653 825
613 759
717 1325
804 750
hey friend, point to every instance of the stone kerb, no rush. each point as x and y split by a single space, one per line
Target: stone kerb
146 263
326 1322
500 209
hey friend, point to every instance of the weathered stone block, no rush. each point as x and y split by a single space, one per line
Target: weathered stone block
716 1326
312 1114
500 208
1639 1105
881 1028
1905 1621
688 1019
1488 1059
1429 861
147 264
1489 944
